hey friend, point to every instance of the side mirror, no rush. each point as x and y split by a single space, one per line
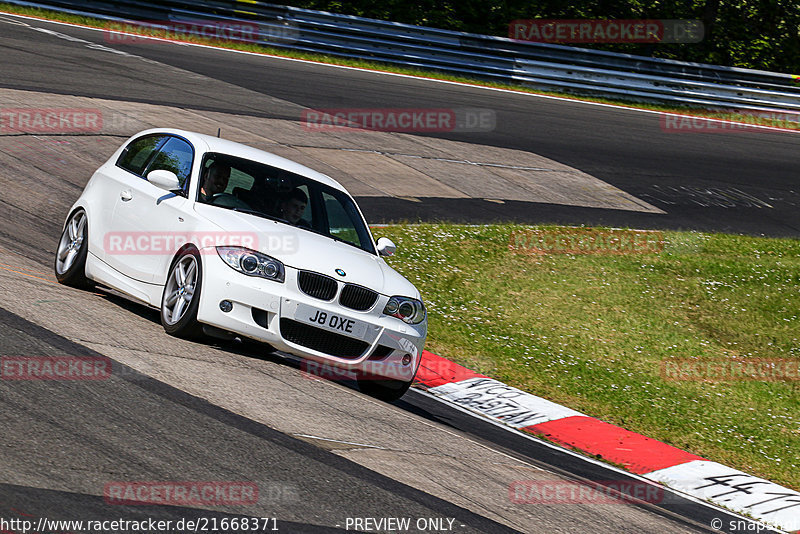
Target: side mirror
386 247
164 179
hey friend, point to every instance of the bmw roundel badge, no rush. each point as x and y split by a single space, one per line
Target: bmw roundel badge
340 272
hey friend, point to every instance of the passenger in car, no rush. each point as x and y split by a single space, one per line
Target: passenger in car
215 181
293 206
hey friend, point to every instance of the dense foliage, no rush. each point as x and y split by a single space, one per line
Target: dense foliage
761 34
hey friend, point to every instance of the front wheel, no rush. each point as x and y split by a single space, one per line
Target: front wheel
383 389
73 247
181 296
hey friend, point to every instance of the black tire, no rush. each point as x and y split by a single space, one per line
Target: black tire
72 271
382 389
186 325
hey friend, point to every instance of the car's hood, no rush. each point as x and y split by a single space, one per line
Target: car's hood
306 250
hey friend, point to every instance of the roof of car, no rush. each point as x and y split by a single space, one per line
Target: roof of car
224 146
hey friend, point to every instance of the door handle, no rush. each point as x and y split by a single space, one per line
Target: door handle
126 196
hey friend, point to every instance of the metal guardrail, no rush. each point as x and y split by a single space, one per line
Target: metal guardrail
541 65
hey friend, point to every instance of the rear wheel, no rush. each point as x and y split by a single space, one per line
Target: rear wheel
181 297
70 263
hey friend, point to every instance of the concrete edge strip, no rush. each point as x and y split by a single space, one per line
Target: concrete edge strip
652 459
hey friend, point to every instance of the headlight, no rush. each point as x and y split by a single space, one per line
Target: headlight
411 311
252 263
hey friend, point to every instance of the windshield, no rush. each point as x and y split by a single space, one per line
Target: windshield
242 185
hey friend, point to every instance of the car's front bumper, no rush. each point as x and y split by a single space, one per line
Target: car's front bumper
266 311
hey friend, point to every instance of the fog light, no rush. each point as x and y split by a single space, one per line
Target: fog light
406 359
226 306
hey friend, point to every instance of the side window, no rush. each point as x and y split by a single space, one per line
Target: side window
176 155
138 153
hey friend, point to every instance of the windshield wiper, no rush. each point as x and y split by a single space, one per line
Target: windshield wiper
308 228
339 239
257 213
326 235
284 221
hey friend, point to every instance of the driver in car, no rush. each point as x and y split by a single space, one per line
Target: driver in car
215 182
292 207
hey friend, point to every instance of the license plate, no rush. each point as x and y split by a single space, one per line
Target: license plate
330 321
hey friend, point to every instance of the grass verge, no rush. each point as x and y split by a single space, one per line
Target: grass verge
778 120
592 331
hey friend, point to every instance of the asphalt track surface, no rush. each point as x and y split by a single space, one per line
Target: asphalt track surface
63 426
84 433
628 149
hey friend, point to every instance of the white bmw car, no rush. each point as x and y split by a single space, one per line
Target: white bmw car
233 241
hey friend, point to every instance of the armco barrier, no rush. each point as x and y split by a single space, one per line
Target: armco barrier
541 65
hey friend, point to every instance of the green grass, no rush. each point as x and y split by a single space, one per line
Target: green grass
591 331
422 73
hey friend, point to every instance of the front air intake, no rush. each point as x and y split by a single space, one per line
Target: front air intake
321 340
